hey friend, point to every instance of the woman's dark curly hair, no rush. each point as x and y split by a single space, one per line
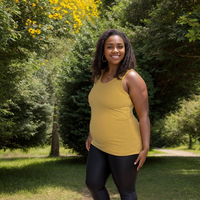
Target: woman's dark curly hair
128 62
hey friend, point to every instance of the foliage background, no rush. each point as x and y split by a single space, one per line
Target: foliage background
32 35
45 57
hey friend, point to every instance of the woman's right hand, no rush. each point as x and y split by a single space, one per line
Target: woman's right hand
88 142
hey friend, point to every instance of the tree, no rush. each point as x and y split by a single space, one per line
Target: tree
191 19
31 26
133 12
25 117
188 123
28 26
181 127
162 50
55 138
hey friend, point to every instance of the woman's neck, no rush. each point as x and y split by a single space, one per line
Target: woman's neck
112 69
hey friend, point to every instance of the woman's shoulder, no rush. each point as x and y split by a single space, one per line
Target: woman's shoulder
133 78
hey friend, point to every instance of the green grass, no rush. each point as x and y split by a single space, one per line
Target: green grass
169 178
43 152
32 152
42 178
153 152
195 148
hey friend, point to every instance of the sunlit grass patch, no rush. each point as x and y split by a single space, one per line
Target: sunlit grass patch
33 152
42 178
153 151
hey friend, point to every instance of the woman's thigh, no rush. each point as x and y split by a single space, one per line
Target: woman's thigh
98 170
124 172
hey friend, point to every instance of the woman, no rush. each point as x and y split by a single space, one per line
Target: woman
117 143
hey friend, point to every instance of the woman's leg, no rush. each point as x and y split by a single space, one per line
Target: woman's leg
97 173
124 174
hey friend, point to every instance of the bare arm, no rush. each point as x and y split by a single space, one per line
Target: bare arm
138 92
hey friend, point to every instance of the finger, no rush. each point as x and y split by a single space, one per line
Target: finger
139 166
137 160
86 145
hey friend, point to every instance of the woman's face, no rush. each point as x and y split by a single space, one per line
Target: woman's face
114 50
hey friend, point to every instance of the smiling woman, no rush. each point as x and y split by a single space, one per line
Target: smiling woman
117 143
121 46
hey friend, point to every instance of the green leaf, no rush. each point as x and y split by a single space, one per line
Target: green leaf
191 39
191 31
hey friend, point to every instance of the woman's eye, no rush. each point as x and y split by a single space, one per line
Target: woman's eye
118 47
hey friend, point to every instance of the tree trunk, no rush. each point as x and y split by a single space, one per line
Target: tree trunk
55 139
190 142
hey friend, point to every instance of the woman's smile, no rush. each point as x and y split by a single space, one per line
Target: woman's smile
115 57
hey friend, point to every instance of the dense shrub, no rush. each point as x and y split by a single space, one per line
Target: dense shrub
26 115
76 83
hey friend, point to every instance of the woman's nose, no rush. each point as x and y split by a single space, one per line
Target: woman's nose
115 49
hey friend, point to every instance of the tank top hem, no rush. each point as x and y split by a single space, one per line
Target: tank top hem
116 154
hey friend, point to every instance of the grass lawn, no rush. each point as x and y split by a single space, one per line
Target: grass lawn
32 152
42 178
195 148
153 152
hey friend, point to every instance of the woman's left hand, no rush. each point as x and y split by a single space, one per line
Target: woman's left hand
141 158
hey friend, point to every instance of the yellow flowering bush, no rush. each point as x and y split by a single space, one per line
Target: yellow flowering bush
42 20
76 9
55 17
38 31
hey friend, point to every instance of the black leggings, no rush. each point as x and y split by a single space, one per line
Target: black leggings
100 165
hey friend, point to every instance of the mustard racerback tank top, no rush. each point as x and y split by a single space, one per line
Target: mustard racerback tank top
113 127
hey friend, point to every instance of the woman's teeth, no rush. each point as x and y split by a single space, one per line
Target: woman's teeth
115 57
